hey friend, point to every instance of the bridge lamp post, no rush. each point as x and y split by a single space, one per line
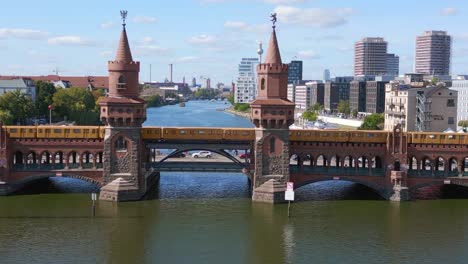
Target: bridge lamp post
50 114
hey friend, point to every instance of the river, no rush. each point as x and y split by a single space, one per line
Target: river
209 218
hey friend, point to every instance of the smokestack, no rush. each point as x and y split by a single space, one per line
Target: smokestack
170 72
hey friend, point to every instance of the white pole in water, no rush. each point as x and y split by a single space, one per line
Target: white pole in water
94 198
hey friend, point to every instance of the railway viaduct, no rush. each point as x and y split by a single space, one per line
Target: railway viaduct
122 163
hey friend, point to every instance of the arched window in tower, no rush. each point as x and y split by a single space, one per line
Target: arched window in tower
122 83
121 144
272 145
262 84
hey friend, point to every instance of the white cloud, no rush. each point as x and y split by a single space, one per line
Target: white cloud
22 33
69 40
144 19
107 25
106 53
317 17
449 11
187 59
284 2
147 40
243 26
148 50
203 40
308 54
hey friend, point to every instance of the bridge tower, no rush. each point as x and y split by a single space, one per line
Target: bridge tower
5 162
397 165
123 113
272 114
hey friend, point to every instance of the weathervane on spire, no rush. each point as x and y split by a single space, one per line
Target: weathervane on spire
123 13
273 19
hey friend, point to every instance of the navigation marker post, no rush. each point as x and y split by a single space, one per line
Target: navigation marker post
94 198
289 194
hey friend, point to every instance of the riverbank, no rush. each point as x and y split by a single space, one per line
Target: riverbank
234 112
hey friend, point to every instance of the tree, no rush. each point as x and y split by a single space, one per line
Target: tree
343 107
242 107
44 95
310 115
373 122
463 123
154 101
16 106
317 107
354 112
6 117
230 99
77 104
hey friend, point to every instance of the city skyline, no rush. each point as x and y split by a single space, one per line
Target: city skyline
209 37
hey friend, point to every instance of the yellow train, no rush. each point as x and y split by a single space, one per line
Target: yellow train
232 134
357 136
68 132
437 138
197 133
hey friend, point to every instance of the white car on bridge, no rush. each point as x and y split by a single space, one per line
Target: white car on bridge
202 154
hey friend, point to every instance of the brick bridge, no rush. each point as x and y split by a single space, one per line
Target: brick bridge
121 156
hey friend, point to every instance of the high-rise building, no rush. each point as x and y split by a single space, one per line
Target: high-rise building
461 86
326 75
393 64
357 96
302 97
295 72
208 83
370 57
194 82
334 92
433 50
246 89
375 96
317 92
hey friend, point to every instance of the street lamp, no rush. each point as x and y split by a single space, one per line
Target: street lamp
50 114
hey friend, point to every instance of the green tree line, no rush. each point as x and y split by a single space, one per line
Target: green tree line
73 104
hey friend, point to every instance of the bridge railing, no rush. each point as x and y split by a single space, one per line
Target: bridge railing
331 171
51 167
432 174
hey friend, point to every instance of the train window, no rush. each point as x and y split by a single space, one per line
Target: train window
451 136
57 130
93 130
432 136
31 130
462 137
47 130
86 131
182 132
415 136
23 130
423 136
39 130
76 130
201 132
442 137
13 130
370 135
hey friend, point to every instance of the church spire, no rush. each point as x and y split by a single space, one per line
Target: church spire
123 52
273 55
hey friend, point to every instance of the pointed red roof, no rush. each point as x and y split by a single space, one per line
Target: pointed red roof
273 55
123 52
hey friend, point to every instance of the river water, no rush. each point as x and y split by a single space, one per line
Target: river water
209 218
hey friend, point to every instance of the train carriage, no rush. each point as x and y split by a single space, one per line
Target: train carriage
238 134
21 131
153 133
193 133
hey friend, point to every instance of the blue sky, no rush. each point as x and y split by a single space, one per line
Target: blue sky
209 37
